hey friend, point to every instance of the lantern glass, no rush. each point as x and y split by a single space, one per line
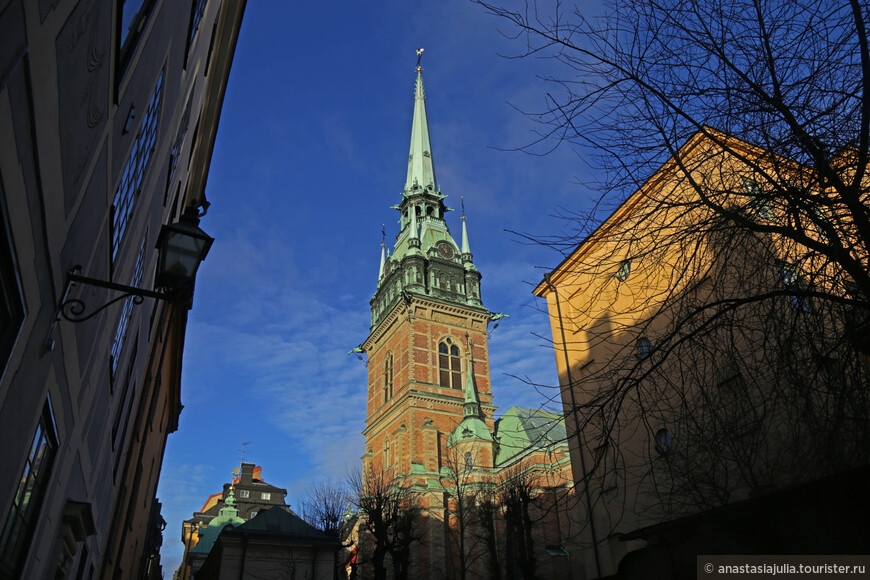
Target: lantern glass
181 246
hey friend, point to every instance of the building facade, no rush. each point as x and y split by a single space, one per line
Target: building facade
711 369
250 496
108 115
431 428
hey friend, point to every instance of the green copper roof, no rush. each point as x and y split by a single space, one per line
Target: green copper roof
421 172
521 429
227 516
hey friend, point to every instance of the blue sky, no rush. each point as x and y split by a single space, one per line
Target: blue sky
311 152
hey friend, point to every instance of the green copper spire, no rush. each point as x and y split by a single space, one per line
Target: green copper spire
471 408
421 172
465 248
472 425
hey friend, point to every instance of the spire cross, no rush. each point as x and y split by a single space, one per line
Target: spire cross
419 56
462 201
383 235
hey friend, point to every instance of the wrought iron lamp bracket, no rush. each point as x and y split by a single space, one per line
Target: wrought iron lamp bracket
74 309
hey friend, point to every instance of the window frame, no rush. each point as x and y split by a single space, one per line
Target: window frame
32 489
449 364
135 170
244 494
126 44
266 495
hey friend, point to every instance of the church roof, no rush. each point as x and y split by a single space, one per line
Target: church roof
521 430
279 523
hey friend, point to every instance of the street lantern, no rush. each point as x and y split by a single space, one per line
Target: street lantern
181 247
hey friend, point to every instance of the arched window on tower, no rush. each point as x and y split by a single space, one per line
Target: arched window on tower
388 377
448 364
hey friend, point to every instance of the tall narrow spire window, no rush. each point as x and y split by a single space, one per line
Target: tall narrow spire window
388 377
448 364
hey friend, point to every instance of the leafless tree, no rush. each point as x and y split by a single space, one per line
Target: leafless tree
517 496
744 357
323 505
487 511
466 485
389 515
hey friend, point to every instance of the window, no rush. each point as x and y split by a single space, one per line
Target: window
624 270
643 348
178 143
266 495
244 493
32 485
791 279
196 18
127 310
468 462
133 15
448 364
664 441
253 515
388 377
387 453
134 170
11 305
758 202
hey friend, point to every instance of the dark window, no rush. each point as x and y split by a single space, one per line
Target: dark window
448 364
32 485
11 305
624 270
196 19
127 310
132 16
643 348
388 377
759 203
469 462
178 143
664 441
791 278
134 170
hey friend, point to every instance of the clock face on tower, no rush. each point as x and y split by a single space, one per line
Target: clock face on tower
445 250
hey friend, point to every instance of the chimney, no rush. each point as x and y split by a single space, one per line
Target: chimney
247 474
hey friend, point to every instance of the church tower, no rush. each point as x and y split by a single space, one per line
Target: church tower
429 393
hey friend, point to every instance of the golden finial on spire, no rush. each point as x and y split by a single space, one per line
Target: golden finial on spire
419 56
